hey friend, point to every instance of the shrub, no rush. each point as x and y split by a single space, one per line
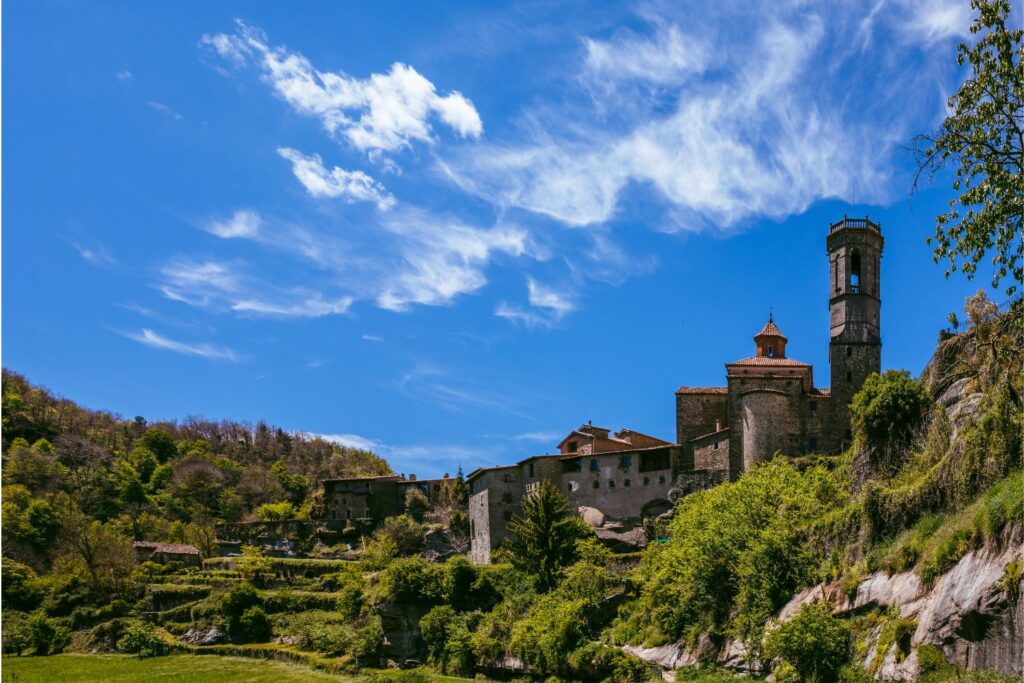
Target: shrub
45 636
446 637
253 566
140 638
237 602
406 533
888 409
408 580
814 643
253 626
416 503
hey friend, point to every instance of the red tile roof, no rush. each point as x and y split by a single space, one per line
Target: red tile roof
702 390
770 330
765 360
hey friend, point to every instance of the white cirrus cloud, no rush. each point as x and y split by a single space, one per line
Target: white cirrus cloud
381 112
442 258
666 58
549 306
242 223
758 139
202 350
352 186
933 21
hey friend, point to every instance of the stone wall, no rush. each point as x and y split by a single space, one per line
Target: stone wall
699 413
621 484
711 452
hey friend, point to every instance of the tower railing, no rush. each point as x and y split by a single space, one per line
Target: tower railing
855 224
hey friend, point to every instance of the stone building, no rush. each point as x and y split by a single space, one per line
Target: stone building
372 499
769 404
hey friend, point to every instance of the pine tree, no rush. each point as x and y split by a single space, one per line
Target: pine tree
543 540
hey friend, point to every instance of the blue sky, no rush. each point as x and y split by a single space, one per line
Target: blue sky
454 233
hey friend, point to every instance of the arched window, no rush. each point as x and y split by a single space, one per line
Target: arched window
855 271
771 352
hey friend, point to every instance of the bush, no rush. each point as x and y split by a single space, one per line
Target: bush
409 580
140 638
887 410
814 643
238 601
253 626
45 636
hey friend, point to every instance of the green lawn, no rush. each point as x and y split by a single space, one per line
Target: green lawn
74 668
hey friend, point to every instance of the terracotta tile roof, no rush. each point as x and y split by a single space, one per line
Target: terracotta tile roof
702 390
176 549
770 330
765 360
145 544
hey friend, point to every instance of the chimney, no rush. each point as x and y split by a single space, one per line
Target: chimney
412 477
718 425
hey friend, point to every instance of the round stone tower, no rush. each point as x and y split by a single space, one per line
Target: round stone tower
855 351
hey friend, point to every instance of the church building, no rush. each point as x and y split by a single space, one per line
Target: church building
769 405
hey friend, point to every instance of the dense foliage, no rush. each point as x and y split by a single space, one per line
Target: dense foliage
984 136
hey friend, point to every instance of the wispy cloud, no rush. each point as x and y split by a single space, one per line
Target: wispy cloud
372 338
97 255
352 186
539 436
202 350
550 305
243 223
382 112
666 58
933 21
124 75
351 441
165 110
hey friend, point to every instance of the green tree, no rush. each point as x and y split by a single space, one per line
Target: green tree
813 642
45 635
888 409
984 136
416 503
160 443
253 566
543 539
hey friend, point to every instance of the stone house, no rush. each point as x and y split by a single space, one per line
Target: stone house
373 499
166 552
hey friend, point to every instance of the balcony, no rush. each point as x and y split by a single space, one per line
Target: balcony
856 224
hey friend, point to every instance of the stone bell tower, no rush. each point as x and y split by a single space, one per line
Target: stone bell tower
855 351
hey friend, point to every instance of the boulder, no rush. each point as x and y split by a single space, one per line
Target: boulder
210 636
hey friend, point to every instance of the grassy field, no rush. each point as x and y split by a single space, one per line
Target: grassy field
74 668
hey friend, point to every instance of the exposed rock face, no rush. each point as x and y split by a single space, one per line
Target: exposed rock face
210 636
966 612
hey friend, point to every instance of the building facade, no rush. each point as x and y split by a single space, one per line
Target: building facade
769 405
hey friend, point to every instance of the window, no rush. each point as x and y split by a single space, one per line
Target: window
855 272
571 465
597 484
771 352
507 515
531 469
594 465
657 460
625 461
716 445
849 351
506 498
813 405
647 481
611 483
661 478
626 482
849 376
573 446
812 443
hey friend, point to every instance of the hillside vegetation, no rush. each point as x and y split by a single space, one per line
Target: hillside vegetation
935 472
